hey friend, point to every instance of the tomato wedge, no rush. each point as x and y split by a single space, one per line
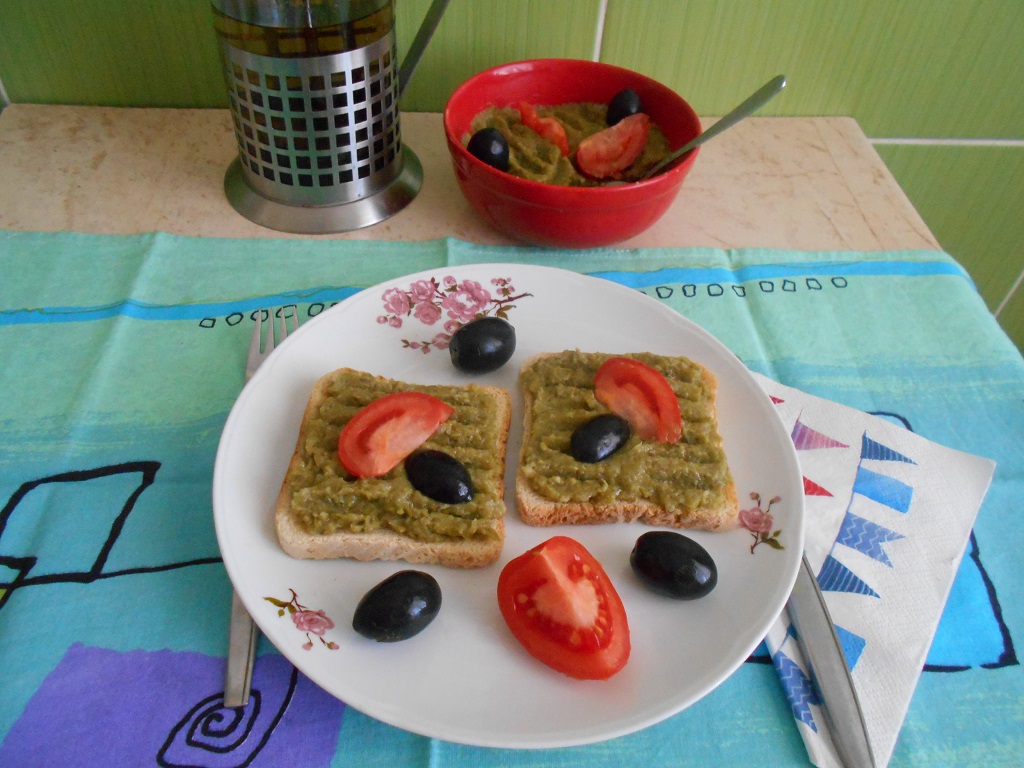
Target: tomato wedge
546 127
560 604
642 396
606 154
383 433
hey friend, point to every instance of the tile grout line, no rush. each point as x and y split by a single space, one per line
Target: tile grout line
1011 143
1013 290
602 13
1017 143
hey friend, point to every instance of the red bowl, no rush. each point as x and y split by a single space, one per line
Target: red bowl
565 217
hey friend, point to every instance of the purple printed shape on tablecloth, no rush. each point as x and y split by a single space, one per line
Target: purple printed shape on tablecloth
100 707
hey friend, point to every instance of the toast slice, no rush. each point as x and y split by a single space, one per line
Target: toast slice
682 485
323 512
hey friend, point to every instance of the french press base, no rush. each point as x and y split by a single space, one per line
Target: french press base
324 219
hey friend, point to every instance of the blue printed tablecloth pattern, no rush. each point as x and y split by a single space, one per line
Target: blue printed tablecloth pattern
123 355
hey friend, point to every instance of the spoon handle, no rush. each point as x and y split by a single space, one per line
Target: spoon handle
751 104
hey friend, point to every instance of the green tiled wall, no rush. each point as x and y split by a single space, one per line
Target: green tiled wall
112 52
906 69
923 68
1012 317
973 198
475 35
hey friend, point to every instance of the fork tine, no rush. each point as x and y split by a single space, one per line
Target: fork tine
254 358
285 314
262 344
282 332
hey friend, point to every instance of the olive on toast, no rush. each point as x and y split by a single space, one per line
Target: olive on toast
324 512
683 484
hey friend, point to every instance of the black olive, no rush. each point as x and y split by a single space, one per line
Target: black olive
399 607
671 564
623 104
489 145
482 345
440 476
599 438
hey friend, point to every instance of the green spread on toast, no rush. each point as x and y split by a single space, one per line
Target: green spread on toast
325 499
679 477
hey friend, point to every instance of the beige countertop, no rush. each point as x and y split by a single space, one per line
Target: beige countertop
808 183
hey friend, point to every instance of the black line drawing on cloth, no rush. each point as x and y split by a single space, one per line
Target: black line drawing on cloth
210 732
56 565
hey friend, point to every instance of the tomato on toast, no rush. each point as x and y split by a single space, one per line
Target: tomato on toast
385 432
642 396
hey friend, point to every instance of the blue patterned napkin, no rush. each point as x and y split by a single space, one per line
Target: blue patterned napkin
888 516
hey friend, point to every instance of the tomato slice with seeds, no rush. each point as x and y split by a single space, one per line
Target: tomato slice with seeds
606 154
386 431
546 127
561 606
642 396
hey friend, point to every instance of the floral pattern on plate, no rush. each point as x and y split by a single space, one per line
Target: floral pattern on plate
448 301
759 522
307 620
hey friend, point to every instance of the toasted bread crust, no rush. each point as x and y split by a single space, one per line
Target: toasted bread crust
535 509
386 544
538 511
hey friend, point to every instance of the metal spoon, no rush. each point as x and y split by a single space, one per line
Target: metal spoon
754 102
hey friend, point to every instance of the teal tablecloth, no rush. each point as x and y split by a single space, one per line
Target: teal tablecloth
123 355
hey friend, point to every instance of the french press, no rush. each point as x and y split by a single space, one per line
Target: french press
314 88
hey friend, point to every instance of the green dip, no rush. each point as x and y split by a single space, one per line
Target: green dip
680 477
536 158
326 499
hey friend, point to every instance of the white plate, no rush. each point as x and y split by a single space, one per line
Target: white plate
465 678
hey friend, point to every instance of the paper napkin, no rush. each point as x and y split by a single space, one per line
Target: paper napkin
888 517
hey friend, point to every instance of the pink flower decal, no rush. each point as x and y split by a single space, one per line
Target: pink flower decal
396 302
307 620
427 313
467 301
316 622
447 301
421 291
756 520
759 522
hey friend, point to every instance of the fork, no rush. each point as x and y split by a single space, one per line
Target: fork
242 631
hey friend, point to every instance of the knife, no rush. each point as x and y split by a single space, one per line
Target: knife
830 675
